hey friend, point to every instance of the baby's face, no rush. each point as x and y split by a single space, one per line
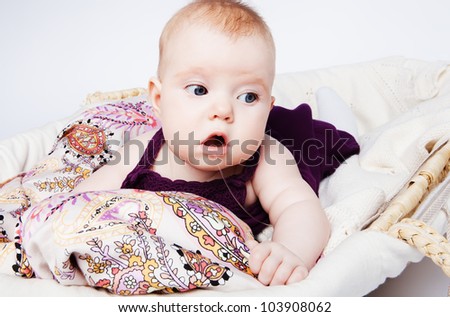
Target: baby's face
214 96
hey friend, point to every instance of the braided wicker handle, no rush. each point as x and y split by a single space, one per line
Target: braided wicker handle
113 95
430 174
425 239
395 218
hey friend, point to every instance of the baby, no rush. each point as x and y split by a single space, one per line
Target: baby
213 98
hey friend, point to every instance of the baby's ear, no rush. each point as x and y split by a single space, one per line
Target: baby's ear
154 90
272 102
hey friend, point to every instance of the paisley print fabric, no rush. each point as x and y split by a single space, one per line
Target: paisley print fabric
133 241
85 139
83 146
126 241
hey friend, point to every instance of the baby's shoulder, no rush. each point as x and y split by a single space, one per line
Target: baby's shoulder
274 159
271 148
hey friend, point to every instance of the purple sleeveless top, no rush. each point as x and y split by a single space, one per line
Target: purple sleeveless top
318 148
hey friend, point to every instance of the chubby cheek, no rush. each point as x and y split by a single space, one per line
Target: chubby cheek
242 149
177 118
170 102
242 153
182 152
181 142
177 126
253 132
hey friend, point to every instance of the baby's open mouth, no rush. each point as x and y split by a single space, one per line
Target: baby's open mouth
215 144
215 140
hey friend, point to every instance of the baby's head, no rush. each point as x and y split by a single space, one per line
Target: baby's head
229 17
214 85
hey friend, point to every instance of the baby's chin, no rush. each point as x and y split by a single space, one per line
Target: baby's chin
211 164
228 161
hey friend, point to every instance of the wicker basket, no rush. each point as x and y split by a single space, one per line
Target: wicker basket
99 96
401 218
409 215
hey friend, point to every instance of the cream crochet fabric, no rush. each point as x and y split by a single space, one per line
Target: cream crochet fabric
401 105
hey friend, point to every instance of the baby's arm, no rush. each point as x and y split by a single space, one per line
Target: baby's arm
111 176
301 228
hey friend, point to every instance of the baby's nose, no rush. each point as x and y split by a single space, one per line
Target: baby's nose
222 110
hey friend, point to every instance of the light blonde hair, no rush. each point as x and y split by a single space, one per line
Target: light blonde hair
232 17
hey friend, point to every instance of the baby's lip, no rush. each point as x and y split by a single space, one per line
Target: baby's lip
216 139
215 144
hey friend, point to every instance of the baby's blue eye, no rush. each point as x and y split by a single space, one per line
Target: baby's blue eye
197 90
249 97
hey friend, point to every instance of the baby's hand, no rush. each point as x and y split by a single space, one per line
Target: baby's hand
275 264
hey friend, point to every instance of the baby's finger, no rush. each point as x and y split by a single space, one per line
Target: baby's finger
298 275
282 274
268 269
251 243
258 254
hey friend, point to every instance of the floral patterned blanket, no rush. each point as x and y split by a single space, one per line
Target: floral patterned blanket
126 241
133 242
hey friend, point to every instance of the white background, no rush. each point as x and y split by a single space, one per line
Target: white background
54 52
